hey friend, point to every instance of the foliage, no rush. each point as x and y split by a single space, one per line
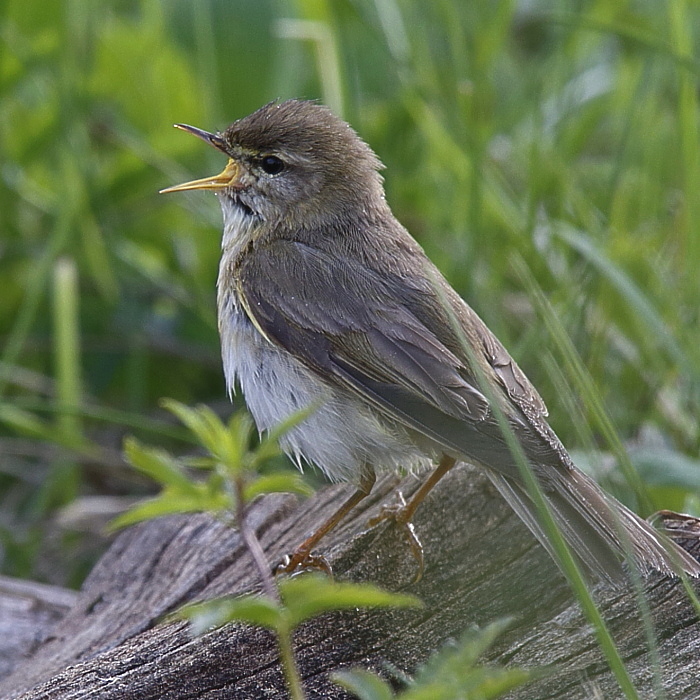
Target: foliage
235 481
452 673
544 154
233 465
301 598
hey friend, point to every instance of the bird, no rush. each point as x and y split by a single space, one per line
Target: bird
325 300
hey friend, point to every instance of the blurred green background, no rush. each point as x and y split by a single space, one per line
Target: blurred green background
546 155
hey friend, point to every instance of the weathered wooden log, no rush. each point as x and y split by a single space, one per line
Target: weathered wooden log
28 610
481 564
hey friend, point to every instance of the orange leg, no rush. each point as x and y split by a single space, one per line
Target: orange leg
403 513
302 557
446 463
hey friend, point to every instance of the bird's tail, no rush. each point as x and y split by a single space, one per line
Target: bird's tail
599 530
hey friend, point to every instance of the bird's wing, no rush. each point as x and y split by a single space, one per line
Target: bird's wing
377 337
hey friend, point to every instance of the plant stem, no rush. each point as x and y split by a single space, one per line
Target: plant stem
253 544
291 672
67 344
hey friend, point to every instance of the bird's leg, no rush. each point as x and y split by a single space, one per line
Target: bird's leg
301 557
403 513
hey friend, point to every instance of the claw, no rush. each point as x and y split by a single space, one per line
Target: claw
400 513
301 560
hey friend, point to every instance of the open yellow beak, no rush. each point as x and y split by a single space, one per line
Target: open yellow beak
227 178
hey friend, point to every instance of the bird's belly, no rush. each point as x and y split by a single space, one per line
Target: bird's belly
340 435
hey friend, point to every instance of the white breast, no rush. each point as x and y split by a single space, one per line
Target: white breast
343 433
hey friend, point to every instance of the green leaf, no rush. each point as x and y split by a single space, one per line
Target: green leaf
267 449
309 595
201 421
157 464
473 643
453 672
449 674
251 608
27 423
200 462
281 482
496 682
23 421
477 640
228 444
169 503
147 510
240 426
364 684
665 467
480 684
295 419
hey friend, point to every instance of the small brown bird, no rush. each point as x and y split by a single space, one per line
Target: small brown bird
325 299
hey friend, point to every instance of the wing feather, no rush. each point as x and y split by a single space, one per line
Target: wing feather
375 336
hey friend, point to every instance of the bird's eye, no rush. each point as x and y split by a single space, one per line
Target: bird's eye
272 165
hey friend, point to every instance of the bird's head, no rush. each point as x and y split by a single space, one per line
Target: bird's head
292 163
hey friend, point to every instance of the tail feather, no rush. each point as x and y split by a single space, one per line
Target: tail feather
599 530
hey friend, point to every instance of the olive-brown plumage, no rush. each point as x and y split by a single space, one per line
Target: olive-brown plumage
325 299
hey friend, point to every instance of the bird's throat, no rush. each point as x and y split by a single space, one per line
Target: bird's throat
241 225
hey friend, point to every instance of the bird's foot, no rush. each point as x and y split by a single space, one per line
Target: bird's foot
401 513
302 560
